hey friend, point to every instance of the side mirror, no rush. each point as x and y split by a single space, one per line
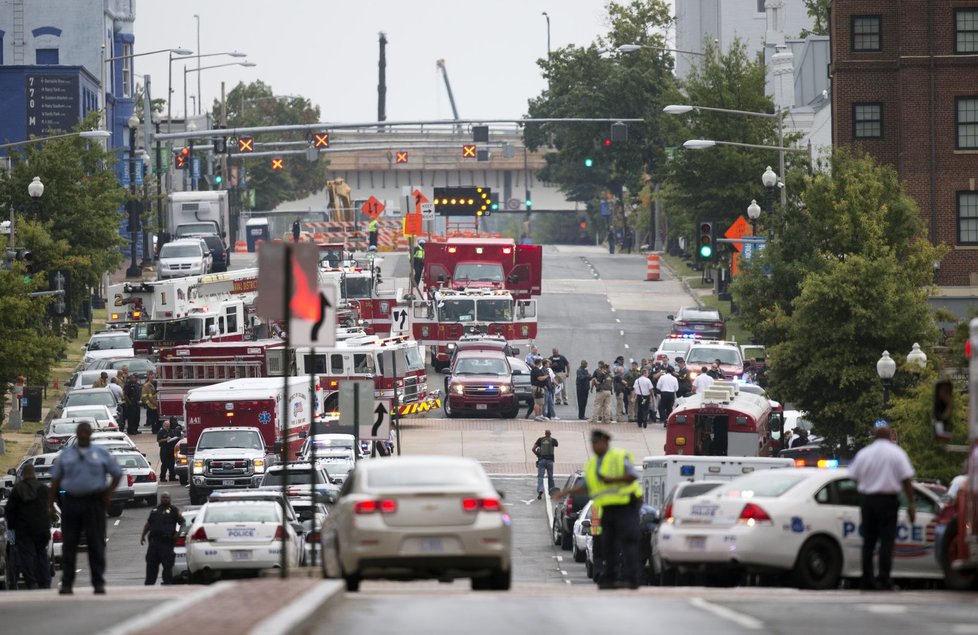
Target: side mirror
670 317
12 471
277 447
303 434
39 432
586 523
298 528
298 455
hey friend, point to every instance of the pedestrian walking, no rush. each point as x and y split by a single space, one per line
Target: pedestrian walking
29 518
561 367
296 229
643 397
583 386
548 398
703 381
162 529
544 451
613 483
611 240
132 395
149 401
539 378
417 263
372 233
602 386
881 470
620 387
167 438
87 474
667 385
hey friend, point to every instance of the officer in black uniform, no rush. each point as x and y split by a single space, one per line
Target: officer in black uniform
162 529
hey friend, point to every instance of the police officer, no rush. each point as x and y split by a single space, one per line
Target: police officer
612 481
372 232
162 528
165 438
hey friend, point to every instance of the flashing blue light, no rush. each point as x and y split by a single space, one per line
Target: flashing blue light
687 470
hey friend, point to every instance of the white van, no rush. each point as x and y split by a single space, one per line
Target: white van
661 473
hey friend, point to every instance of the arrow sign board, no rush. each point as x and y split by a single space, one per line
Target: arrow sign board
427 210
379 429
357 404
399 320
738 229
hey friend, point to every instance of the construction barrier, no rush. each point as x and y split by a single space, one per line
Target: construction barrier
241 247
652 267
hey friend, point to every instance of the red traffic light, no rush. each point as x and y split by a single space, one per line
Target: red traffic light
583 224
185 152
607 142
705 228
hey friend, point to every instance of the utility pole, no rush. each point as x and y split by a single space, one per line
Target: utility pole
382 81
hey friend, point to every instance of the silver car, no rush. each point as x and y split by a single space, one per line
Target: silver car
419 517
184 257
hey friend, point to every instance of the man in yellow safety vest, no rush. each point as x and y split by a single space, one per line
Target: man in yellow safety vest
372 233
613 483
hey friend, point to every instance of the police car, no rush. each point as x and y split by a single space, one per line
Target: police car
801 521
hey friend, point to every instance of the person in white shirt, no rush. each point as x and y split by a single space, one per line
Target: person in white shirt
667 386
643 393
702 381
881 469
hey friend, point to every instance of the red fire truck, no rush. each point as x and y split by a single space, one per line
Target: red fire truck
722 421
362 301
484 263
215 307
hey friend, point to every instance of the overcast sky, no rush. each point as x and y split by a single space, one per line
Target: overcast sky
327 50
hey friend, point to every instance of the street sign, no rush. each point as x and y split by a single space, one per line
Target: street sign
372 208
246 144
278 164
469 151
605 208
312 310
320 140
139 172
419 198
738 229
379 429
412 224
195 167
356 403
427 210
401 156
313 319
399 321
513 203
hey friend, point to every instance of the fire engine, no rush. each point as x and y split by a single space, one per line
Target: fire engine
484 263
722 421
363 303
164 313
448 314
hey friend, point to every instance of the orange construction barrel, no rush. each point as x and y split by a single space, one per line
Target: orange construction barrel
653 267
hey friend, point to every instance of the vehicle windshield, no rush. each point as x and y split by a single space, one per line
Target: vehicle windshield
187 330
479 272
456 311
357 286
63 428
495 310
91 399
407 476
131 461
296 477
707 355
678 346
94 413
519 366
212 440
110 342
481 366
336 444
195 228
699 315
171 250
763 484
340 469
408 359
697 489
135 364
242 513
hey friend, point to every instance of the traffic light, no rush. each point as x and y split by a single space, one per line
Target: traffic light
706 249
220 145
528 201
494 202
619 131
607 142
60 280
463 201
588 162
183 158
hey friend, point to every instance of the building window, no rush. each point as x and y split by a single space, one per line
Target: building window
966 121
966 31
760 6
968 218
47 57
127 70
867 121
867 33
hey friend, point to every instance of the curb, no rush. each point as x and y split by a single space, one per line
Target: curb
165 611
682 281
300 614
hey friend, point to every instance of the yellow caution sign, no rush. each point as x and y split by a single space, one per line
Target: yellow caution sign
420 407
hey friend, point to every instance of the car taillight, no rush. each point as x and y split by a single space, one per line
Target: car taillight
485 504
56 536
199 536
152 477
279 533
681 323
667 514
569 505
718 324
130 479
181 541
754 515
385 506
312 536
800 463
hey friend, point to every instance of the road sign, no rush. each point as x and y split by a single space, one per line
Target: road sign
412 224
513 203
320 140
401 156
312 312
399 321
379 429
419 198
605 208
372 208
246 144
427 210
278 164
195 167
313 320
356 403
469 151
738 229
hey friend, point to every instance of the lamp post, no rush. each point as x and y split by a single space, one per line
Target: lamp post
169 84
159 183
886 368
753 213
134 270
191 127
147 248
770 180
916 357
101 81
187 71
547 15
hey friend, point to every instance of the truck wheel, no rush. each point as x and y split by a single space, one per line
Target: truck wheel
819 564
954 579
451 414
115 509
512 414
184 480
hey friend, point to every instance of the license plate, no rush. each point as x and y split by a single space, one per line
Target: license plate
704 511
241 554
228 482
696 542
481 406
430 545
698 327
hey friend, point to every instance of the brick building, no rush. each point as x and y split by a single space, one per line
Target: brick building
905 89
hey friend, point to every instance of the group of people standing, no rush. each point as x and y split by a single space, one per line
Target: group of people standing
548 377
132 397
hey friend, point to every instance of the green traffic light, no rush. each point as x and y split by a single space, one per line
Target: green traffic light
529 203
218 179
495 206
706 251
588 163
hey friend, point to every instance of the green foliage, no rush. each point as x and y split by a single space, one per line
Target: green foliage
255 104
818 11
718 182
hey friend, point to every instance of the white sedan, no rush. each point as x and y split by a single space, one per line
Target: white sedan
145 484
240 536
804 521
581 533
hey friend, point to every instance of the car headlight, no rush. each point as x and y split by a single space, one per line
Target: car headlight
458 389
505 388
259 466
198 467
451 346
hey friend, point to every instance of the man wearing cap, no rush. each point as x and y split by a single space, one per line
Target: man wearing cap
613 483
162 529
881 470
800 438
682 378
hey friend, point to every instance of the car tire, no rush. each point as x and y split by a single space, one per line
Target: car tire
819 564
451 414
588 568
115 509
579 556
352 582
512 414
556 533
954 580
152 501
566 540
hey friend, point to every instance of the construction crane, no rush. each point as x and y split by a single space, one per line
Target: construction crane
448 86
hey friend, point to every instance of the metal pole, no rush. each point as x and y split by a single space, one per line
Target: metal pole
198 64
395 415
101 89
186 115
546 15
284 451
784 188
134 270
159 191
169 95
313 414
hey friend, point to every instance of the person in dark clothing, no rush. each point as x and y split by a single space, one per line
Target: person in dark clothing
166 438
716 372
683 379
296 229
30 520
162 528
540 382
800 438
560 366
583 386
417 263
544 451
132 397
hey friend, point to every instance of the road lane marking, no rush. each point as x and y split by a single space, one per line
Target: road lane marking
550 508
740 619
527 502
885 609
618 320
626 346
622 333
116 523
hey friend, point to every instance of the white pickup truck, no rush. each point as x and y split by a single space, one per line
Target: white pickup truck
228 458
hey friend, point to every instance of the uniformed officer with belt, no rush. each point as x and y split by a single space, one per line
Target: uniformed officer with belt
613 483
162 529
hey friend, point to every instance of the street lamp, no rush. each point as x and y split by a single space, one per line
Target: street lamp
186 71
917 357
547 15
886 368
101 80
631 48
770 180
134 270
753 213
169 97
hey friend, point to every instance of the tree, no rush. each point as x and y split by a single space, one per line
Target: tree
599 82
718 182
255 104
818 11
